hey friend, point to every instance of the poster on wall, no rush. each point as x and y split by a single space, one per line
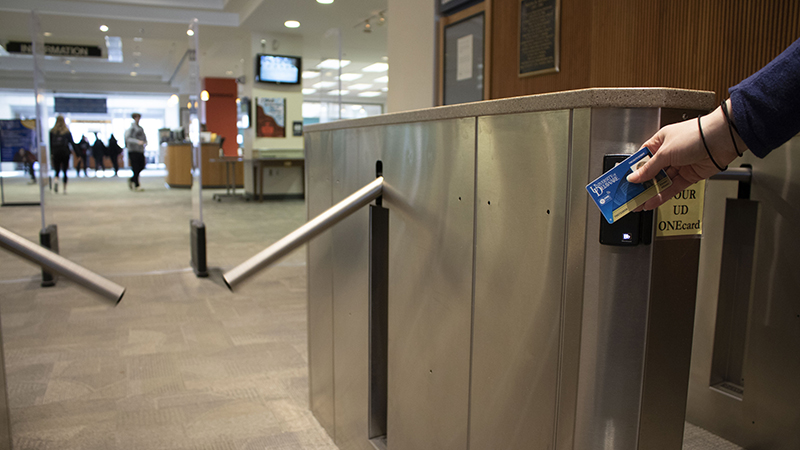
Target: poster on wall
270 117
18 140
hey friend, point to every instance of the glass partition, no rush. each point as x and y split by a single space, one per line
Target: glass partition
330 65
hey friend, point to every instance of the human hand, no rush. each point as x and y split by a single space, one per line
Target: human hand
679 150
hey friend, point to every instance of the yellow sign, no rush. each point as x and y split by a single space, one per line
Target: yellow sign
682 215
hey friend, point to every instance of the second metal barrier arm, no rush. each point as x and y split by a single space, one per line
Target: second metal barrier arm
305 233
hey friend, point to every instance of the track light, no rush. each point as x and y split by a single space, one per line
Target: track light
367 27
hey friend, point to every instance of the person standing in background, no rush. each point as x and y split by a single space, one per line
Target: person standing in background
135 141
98 152
81 158
114 150
60 149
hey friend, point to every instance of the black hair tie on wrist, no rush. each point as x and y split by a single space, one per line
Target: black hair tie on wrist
731 126
703 137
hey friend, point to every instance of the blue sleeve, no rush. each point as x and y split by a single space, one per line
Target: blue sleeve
765 105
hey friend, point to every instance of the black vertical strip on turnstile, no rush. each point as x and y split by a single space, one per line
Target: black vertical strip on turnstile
48 238
733 302
378 322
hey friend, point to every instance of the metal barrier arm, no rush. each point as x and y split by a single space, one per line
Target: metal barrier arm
56 263
300 236
735 173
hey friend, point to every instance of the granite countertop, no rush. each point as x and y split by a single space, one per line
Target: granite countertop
581 98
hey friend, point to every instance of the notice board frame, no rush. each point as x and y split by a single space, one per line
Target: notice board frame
484 8
556 4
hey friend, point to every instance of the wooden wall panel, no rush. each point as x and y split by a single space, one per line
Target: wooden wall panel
575 51
691 44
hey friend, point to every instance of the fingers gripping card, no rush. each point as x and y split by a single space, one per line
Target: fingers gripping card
616 197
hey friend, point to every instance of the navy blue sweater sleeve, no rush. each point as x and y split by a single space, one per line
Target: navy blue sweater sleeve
766 105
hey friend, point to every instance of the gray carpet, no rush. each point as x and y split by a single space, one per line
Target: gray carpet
181 363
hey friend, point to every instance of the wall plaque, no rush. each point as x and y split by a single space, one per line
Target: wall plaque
539 36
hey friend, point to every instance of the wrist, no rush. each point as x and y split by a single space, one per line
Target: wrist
718 139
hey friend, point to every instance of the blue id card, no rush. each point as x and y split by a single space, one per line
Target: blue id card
616 197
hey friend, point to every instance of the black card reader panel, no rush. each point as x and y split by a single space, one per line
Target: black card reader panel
634 228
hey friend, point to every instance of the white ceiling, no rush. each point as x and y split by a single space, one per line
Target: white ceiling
153 34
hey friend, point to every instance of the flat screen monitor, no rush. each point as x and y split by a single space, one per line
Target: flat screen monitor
278 69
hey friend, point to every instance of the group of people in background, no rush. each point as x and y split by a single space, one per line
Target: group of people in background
62 146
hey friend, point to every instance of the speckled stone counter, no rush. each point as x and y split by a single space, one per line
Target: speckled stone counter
581 98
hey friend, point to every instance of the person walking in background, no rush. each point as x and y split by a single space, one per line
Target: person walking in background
98 153
60 149
81 157
135 141
113 151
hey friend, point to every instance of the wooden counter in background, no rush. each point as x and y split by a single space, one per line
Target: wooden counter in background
178 159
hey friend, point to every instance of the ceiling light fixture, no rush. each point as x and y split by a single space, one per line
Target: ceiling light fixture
369 94
384 79
325 2
310 74
323 84
133 74
173 100
308 91
350 76
377 67
291 24
204 95
381 18
136 64
333 64
360 86
137 39
47 34
103 28
367 27
338 92
190 32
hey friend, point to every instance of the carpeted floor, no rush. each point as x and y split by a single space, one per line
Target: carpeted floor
180 363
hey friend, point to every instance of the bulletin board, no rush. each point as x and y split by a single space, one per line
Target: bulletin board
464 55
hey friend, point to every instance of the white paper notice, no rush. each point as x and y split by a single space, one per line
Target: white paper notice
464 58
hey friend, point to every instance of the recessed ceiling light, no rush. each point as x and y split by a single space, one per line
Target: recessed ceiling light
369 94
103 28
333 64
47 34
310 74
377 67
67 62
386 89
308 91
338 92
385 58
323 84
228 72
291 24
135 64
137 39
137 53
325 2
350 76
360 86
383 79
133 74
190 32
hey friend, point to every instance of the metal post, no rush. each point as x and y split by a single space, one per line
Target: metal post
300 236
46 259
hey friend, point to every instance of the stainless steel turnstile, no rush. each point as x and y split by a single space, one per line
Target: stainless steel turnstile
502 321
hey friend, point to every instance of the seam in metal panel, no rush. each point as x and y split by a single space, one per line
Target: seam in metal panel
564 268
474 259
